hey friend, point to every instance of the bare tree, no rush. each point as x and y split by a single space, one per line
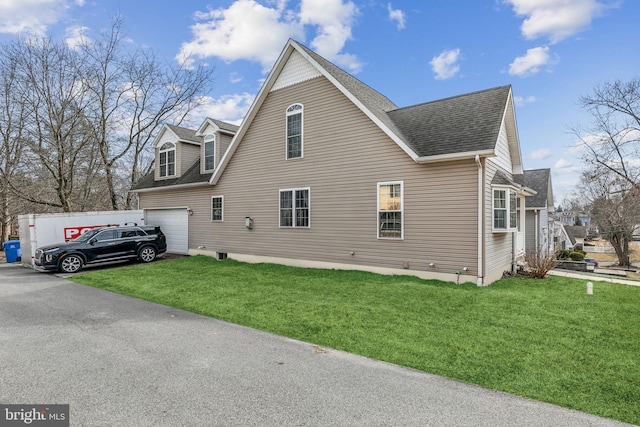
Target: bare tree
87 115
12 121
134 94
615 207
57 134
613 140
611 176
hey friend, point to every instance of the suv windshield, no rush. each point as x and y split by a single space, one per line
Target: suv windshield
85 237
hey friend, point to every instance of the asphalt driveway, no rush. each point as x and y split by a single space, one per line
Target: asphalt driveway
120 361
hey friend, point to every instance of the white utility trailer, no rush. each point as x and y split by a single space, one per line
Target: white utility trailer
38 230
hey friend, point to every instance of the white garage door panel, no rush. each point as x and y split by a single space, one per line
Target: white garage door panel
174 224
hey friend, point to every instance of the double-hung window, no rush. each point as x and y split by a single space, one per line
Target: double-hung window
295 207
390 210
217 208
505 205
209 152
294 131
167 159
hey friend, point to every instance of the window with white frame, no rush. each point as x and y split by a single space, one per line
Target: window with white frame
167 159
209 152
390 210
217 208
294 131
505 205
295 207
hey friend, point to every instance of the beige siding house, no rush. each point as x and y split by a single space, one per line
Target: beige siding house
326 172
539 208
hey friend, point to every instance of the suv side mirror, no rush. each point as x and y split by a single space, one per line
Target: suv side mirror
92 241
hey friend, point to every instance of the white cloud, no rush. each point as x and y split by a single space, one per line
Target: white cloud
333 20
33 16
396 15
555 19
531 62
245 30
522 101
542 153
446 65
228 108
255 32
563 166
75 36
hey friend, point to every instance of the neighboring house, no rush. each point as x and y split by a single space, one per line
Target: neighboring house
326 172
539 208
571 237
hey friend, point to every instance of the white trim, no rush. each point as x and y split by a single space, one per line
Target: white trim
384 183
209 138
205 123
293 206
508 190
166 151
456 156
171 187
222 209
481 193
286 130
513 145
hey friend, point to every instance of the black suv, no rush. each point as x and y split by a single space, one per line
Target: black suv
111 243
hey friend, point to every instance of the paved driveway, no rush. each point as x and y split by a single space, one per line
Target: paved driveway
119 361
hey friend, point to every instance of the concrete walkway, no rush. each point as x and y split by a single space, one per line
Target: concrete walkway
593 277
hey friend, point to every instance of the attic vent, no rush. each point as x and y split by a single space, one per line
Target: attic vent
296 70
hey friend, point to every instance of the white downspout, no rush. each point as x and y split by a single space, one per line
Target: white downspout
480 280
536 224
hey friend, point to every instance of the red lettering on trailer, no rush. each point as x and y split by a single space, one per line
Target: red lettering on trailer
71 233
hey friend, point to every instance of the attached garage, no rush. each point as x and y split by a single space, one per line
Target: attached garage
175 225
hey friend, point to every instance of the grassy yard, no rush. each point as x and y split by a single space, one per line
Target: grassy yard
543 339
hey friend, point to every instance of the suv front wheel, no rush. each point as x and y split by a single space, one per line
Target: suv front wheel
71 264
147 254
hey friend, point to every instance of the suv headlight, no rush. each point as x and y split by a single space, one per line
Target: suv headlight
48 255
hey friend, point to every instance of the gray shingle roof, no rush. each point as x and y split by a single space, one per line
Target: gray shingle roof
501 179
460 124
191 176
575 232
224 126
538 180
185 134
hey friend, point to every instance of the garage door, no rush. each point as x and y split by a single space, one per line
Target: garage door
174 224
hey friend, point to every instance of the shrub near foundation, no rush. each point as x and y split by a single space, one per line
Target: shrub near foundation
537 264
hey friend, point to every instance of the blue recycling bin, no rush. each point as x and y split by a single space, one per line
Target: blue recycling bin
12 250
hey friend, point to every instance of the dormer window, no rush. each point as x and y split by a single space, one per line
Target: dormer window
168 159
209 152
294 131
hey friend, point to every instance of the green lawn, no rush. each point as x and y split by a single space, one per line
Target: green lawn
544 339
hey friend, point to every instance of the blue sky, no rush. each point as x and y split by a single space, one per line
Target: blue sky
412 51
